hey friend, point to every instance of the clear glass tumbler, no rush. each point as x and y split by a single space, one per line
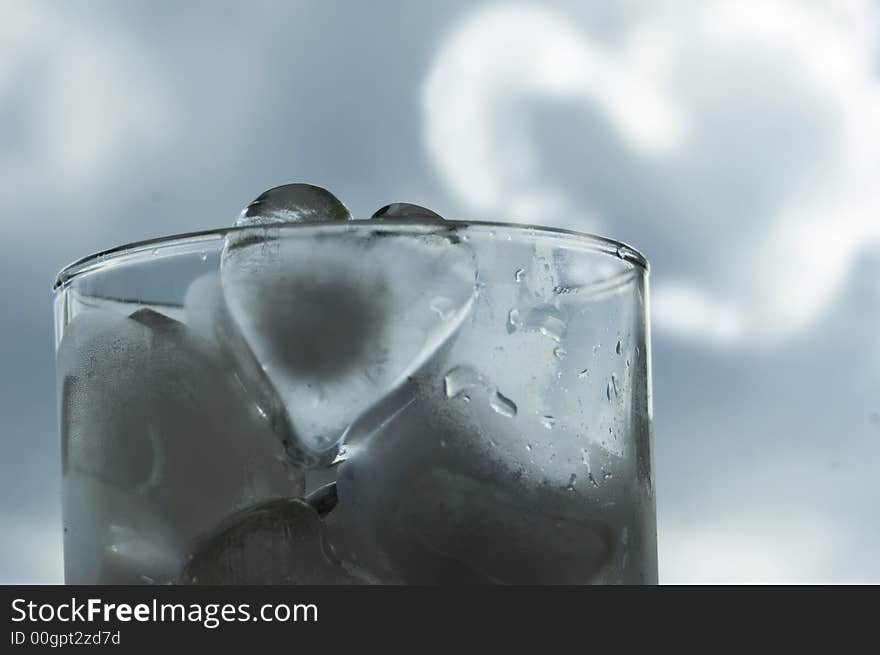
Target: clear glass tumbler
382 401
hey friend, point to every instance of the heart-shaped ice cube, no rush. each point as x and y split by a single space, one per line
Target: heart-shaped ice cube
339 321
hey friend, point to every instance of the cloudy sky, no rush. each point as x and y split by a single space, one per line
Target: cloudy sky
734 143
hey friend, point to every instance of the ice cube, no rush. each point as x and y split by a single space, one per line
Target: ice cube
203 306
132 557
293 203
207 314
153 414
495 531
276 542
426 500
337 324
405 210
112 537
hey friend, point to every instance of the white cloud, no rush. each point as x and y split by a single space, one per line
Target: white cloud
688 311
486 73
743 550
745 131
83 97
31 550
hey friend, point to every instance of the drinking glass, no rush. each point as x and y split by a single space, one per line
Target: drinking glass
364 402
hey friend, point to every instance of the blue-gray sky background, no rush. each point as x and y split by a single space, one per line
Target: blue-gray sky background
736 144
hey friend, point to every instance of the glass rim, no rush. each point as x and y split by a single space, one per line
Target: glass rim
584 240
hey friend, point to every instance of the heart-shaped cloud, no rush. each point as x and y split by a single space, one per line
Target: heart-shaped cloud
736 142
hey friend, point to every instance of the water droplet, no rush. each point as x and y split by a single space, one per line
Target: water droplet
608 391
592 480
614 385
617 348
548 421
406 210
461 379
621 251
479 285
552 327
155 252
529 447
466 398
443 443
585 373
607 475
503 405
293 203
519 274
571 482
559 353
203 255
596 348
513 321
443 307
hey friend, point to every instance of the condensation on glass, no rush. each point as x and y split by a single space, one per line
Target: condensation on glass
370 402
